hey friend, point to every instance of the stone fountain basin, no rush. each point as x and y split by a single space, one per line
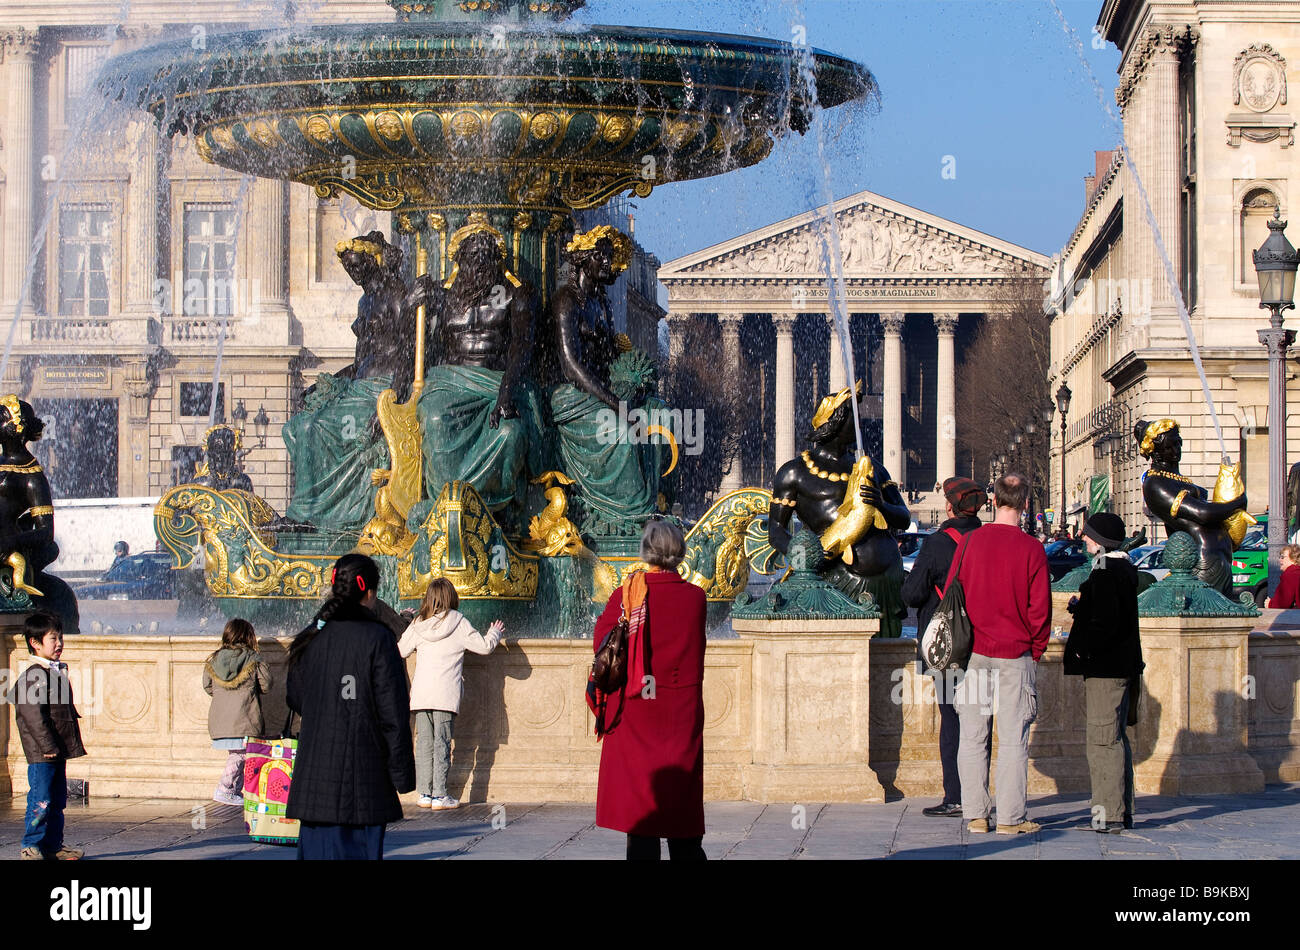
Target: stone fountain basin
588 112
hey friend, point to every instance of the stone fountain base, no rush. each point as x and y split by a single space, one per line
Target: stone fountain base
792 712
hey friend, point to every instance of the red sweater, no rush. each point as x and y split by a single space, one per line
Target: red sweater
1008 591
1287 594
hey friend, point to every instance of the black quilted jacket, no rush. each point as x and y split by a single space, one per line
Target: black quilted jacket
354 747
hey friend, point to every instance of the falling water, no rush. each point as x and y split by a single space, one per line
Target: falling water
1170 276
829 224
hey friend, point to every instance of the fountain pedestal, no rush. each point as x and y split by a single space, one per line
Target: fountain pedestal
1196 700
812 710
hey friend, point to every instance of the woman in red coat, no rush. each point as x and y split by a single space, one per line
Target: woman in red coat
652 763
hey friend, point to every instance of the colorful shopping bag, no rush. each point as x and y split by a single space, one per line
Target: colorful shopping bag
268 770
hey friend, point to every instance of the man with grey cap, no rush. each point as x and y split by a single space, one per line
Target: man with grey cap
1106 650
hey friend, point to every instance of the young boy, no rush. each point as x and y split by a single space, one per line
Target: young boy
47 725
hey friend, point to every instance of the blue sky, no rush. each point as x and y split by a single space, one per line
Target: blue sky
993 83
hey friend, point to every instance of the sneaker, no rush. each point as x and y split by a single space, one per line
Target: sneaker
426 801
228 798
66 854
1110 828
31 854
946 810
978 826
1024 828
445 802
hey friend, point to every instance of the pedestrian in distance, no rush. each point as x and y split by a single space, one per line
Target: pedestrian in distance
1287 595
236 677
47 726
1006 580
347 682
651 783
439 637
1105 648
923 589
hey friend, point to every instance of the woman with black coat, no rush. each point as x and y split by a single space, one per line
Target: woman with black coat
348 683
929 574
1105 648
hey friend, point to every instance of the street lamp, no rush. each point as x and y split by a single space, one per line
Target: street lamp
261 422
1063 406
1275 266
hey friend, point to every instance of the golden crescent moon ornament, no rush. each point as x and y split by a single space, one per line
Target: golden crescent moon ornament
672 445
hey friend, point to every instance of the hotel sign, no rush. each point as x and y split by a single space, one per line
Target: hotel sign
76 377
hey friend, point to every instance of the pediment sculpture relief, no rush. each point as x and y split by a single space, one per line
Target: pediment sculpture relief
868 245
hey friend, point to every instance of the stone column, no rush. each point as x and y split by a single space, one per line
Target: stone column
730 324
783 404
267 287
894 463
20 49
837 377
142 218
1162 179
945 387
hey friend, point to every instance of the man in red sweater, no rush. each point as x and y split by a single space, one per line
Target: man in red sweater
1006 581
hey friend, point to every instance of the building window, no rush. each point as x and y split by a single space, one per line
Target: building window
1257 208
209 259
196 400
185 459
85 255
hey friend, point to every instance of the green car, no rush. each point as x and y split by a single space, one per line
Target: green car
1250 563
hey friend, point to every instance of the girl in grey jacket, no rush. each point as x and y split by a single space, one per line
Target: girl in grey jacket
236 677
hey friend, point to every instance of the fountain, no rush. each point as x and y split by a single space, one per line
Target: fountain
481 126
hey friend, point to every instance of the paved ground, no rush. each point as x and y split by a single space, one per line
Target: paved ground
1218 827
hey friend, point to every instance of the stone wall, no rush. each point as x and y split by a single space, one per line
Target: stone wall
793 712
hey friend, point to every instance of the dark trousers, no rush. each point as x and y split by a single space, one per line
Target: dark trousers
47 796
340 842
949 740
644 848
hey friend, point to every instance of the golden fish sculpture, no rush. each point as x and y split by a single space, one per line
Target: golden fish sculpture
855 516
1227 487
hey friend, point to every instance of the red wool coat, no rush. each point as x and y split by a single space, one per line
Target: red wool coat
652 764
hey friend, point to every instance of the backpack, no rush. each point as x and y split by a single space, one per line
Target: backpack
948 639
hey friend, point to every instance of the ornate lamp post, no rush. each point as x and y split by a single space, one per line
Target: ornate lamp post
260 423
1063 406
1275 266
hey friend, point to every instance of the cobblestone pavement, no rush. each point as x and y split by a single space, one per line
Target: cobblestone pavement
1218 827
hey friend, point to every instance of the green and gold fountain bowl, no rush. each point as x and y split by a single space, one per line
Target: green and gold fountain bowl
420 115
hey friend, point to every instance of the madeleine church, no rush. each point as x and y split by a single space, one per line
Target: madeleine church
915 285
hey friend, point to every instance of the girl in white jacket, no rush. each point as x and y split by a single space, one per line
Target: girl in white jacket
442 635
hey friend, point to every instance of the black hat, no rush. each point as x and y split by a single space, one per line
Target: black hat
1106 529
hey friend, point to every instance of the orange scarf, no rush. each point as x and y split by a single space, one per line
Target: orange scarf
635 590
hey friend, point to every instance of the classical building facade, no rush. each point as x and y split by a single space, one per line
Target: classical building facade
914 284
1203 91
142 275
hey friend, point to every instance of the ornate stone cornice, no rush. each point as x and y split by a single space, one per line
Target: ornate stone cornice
1166 39
21 42
1098 193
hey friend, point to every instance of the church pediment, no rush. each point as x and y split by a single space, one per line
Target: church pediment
876 241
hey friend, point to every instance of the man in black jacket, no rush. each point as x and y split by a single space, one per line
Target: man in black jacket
929 574
1106 650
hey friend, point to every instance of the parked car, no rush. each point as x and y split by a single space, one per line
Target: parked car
145 576
909 545
1150 558
1250 564
1065 555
